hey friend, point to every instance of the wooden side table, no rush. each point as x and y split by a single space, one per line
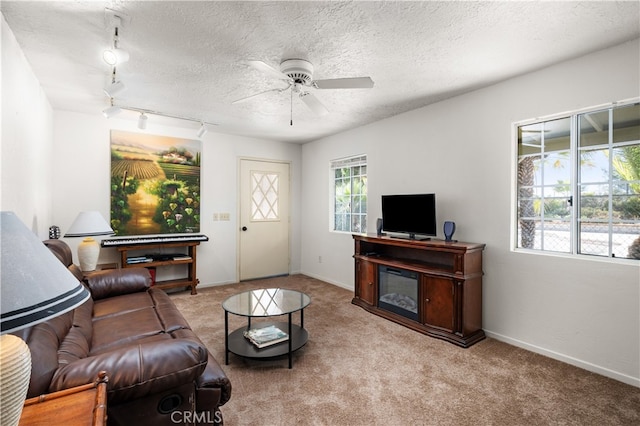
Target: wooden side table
82 405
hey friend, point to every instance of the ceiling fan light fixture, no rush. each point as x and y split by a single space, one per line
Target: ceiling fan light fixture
298 74
111 111
142 121
298 70
114 89
313 103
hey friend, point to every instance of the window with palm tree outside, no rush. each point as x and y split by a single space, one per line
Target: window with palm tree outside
349 183
578 183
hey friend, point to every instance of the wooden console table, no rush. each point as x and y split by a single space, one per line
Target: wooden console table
82 405
189 260
449 280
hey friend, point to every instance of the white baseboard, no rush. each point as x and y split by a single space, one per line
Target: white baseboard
633 381
328 280
205 285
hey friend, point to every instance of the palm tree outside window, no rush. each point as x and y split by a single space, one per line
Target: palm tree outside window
578 183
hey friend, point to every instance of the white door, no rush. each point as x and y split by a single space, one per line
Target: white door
264 219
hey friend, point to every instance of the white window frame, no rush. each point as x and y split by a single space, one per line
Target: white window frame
575 183
351 162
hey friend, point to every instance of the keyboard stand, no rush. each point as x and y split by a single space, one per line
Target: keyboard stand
189 259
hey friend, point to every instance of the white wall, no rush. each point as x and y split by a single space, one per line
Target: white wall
27 142
82 176
581 311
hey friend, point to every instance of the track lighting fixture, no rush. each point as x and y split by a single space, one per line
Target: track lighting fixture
202 130
111 111
114 89
142 121
115 55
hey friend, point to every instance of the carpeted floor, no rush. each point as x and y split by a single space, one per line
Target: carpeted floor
359 369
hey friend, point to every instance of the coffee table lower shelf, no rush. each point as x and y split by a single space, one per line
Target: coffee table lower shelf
239 345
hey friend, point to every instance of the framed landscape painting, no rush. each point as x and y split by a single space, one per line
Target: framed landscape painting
155 184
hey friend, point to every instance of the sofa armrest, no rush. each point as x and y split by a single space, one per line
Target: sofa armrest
213 387
138 370
115 282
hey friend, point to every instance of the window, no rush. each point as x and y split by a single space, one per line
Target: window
264 196
349 184
578 183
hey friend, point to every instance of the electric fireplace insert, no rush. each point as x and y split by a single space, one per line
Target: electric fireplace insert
398 291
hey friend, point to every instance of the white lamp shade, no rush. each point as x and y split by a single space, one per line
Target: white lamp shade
89 224
35 285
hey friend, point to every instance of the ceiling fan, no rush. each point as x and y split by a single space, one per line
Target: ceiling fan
298 75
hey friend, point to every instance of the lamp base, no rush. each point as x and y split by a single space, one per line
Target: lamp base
15 373
88 253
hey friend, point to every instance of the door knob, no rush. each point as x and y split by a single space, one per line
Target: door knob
244 228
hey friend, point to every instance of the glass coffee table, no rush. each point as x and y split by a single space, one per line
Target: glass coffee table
265 303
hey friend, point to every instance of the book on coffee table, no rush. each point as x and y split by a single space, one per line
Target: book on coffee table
266 336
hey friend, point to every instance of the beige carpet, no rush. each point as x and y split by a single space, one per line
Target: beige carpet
359 369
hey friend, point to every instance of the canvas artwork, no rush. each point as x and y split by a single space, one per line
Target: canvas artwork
155 184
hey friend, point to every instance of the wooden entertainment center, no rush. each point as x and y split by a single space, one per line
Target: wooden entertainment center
449 280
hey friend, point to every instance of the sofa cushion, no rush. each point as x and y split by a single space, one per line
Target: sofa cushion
120 305
116 282
77 342
138 370
43 340
135 318
110 333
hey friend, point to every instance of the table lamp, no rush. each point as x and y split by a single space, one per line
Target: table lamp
34 287
88 224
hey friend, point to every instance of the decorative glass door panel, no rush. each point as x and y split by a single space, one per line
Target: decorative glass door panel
264 196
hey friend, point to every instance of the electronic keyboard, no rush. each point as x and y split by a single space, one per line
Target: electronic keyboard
155 239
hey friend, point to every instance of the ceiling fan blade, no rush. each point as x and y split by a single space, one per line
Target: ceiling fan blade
344 83
238 101
268 69
313 103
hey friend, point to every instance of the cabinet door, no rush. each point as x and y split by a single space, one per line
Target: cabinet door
438 300
366 276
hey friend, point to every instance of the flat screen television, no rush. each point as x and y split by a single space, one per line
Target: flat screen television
412 214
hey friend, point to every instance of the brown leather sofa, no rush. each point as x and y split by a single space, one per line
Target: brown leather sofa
159 371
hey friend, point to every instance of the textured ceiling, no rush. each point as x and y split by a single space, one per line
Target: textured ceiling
189 58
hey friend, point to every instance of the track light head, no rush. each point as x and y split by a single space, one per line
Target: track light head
142 121
115 56
114 89
202 130
111 111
